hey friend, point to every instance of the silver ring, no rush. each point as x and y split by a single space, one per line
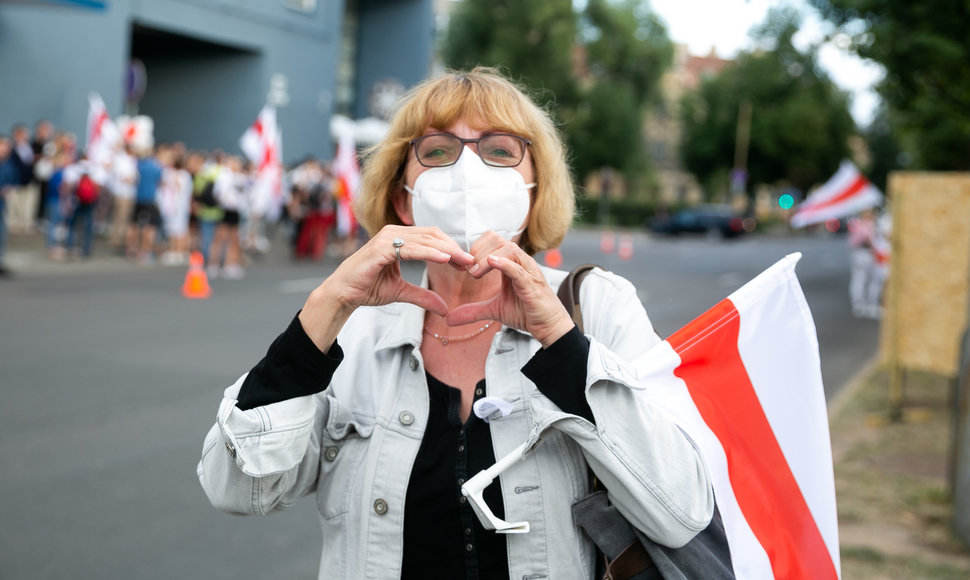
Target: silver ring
398 242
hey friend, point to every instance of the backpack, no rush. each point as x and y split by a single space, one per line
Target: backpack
86 190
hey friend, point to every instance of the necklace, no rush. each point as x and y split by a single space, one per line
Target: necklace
447 339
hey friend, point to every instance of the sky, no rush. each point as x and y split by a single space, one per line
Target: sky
724 25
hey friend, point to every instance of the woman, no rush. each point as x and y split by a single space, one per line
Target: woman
367 398
231 191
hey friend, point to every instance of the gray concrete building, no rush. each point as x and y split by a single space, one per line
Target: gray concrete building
202 69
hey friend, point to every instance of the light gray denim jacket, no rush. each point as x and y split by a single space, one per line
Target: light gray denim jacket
354 444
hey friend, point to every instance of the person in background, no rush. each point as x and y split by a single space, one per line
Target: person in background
205 206
174 201
122 184
865 282
230 192
82 185
316 194
23 196
371 399
9 178
42 144
57 207
145 218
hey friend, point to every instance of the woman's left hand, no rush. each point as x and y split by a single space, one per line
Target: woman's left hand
526 302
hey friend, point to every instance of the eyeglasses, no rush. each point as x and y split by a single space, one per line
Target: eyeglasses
473 490
444 149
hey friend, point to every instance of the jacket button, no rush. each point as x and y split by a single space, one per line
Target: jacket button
406 418
331 453
231 450
413 363
380 507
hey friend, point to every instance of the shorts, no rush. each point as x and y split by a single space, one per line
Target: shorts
146 214
230 217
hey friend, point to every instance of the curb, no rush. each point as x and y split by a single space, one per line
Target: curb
852 386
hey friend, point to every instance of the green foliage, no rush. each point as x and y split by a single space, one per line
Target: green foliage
531 41
625 212
626 44
884 148
800 122
604 131
627 50
598 98
925 50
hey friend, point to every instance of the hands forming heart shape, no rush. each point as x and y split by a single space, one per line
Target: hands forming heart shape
372 277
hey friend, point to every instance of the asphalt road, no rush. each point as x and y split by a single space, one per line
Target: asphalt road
110 380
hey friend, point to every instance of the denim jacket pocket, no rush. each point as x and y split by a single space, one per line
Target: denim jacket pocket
343 448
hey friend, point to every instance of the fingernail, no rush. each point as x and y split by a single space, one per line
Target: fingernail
444 256
474 269
469 256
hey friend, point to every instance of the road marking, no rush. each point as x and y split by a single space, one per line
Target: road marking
300 286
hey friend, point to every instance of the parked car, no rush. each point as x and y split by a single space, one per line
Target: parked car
711 219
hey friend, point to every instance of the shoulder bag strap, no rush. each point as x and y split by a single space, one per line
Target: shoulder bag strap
569 292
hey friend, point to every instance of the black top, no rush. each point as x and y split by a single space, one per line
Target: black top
442 536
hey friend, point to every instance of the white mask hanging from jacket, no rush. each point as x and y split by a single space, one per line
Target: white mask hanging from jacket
470 198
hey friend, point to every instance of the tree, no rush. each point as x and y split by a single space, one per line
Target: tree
626 51
925 50
800 122
595 70
532 41
884 148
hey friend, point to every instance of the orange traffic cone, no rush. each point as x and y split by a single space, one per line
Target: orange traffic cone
625 251
196 283
554 258
607 241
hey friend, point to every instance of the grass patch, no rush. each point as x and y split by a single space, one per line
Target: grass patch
893 495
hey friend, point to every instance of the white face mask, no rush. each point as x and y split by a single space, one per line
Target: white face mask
470 198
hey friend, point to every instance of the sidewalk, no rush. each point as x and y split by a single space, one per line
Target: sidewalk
892 488
27 255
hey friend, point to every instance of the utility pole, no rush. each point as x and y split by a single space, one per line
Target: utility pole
739 176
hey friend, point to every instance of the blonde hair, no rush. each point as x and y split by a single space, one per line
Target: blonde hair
485 100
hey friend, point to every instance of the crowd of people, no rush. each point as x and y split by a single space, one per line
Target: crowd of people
158 203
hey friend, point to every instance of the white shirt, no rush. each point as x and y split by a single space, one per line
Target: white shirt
124 175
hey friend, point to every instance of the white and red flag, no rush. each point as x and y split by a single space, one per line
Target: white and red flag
347 172
138 131
102 133
846 193
744 381
262 143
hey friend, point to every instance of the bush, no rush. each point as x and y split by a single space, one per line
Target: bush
622 212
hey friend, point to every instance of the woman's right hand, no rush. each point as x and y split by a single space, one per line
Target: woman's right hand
371 276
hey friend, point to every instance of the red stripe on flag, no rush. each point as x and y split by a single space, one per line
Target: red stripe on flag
853 188
764 486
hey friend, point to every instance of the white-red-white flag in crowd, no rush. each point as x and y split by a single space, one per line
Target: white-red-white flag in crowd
347 172
102 133
262 143
138 131
744 381
846 193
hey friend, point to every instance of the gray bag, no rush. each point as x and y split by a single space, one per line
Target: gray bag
627 553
